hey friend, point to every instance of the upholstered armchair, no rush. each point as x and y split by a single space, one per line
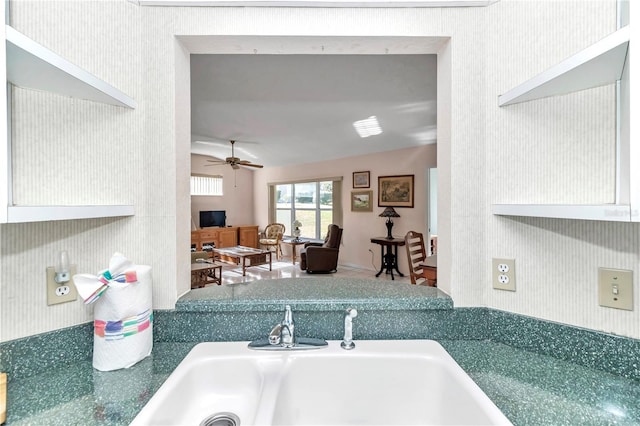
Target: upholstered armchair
271 237
322 257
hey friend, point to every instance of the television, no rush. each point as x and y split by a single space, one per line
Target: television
211 218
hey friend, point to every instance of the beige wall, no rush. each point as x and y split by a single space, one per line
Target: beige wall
360 227
555 150
237 198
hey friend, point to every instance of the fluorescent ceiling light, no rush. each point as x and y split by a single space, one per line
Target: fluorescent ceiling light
367 127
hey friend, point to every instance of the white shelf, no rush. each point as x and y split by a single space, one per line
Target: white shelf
21 214
31 65
597 65
602 212
600 64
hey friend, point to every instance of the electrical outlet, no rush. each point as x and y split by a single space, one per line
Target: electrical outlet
63 290
60 293
503 267
615 288
504 274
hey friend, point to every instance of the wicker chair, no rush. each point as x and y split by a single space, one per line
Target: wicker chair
271 237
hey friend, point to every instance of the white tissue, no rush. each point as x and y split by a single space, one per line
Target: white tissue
120 301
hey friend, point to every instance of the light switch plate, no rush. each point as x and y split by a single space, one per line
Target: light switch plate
57 293
615 288
504 274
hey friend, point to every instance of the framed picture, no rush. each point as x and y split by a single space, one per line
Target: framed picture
361 201
361 180
395 191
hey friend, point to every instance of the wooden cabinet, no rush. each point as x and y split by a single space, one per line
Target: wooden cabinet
209 237
228 237
195 241
225 237
217 237
248 236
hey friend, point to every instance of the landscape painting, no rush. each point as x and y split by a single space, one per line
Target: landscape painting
395 191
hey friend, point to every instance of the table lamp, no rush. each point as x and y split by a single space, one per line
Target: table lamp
389 212
296 229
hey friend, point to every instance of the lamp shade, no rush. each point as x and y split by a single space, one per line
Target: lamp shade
389 212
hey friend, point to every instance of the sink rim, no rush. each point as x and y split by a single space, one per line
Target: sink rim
208 352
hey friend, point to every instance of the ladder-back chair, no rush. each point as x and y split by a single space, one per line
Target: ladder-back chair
421 268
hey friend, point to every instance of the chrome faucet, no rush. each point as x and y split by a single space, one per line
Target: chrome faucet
347 342
283 333
282 337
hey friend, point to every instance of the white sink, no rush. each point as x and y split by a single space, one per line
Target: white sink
382 382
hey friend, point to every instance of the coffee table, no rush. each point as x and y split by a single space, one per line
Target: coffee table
247 256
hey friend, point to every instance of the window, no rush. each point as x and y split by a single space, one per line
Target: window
311 202
206 185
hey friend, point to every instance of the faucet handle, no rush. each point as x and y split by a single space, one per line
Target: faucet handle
275 335
347 342
288 315
287 328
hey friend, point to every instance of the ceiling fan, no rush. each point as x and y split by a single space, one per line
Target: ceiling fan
234 161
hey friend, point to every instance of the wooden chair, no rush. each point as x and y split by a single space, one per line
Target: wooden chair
271 237
195 255
421 267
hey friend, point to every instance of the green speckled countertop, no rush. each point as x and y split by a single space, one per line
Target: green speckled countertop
315 294
530 389
536 372
533 389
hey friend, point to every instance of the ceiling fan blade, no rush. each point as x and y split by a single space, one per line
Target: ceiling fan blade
233 161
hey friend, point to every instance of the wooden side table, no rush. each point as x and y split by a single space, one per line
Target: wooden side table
293 244
205 273
390 258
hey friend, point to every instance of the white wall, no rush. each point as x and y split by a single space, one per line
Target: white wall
490 155
432 204
557 150
70 151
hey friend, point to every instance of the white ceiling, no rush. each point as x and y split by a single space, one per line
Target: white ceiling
293 109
